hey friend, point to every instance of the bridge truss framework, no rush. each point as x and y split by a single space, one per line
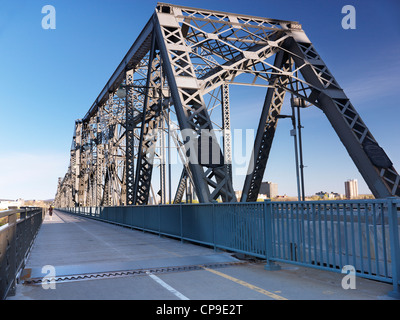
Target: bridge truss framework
171 91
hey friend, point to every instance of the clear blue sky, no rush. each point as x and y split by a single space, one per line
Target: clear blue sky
49 78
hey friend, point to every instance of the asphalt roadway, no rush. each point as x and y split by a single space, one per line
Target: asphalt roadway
93 260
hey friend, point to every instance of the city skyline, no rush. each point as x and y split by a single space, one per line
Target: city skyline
50 78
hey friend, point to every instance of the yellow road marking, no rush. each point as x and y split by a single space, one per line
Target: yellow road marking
246 284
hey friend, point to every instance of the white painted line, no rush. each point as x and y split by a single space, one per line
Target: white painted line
167 286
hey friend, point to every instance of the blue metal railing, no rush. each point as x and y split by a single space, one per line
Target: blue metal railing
333 234
235 227
320 234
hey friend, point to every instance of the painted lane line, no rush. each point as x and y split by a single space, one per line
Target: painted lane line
167 286
247 285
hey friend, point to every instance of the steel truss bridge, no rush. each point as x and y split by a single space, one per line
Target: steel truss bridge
171 91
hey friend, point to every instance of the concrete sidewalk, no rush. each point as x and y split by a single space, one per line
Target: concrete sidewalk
93 260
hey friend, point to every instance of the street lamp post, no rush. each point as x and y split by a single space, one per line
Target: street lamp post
293 134
298 148
299 103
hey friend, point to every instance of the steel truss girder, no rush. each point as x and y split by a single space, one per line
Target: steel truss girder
181 186
370 159
266 129
185 54
148 135
190 109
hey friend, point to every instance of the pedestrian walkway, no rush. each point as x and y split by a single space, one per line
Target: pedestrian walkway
96 260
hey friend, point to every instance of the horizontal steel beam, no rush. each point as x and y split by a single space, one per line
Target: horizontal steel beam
224 13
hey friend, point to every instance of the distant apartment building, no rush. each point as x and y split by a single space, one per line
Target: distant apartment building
269 189
351 188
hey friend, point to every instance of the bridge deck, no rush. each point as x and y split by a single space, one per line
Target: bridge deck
96 260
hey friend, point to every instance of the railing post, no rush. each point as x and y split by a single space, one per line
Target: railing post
394 246
12 253
270 266
143 218
180 220
213 225
159 220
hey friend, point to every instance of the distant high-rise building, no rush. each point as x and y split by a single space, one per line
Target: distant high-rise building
238 194
269 189
351 188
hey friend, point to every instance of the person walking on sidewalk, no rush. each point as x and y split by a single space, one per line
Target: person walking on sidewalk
51 212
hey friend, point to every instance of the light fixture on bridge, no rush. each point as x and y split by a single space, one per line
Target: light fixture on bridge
121 92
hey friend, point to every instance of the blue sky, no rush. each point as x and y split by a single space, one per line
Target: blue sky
49 78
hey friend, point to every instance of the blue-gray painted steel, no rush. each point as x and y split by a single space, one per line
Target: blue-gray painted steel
321 234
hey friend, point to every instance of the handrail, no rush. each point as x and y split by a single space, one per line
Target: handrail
16 239
7 213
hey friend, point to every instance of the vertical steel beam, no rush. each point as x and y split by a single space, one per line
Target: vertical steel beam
148 136
226 129
79 165
129 137
100 157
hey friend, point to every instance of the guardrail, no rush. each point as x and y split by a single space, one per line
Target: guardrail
320 234
330 235
16 239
